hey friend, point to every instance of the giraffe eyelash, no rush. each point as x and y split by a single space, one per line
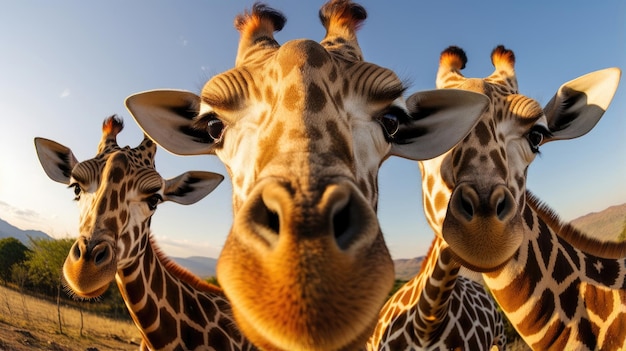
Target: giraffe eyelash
77 190
212 125
536 137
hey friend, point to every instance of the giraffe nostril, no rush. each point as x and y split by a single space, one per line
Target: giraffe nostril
76 252
466 204
273 221
501 208
101 254
503 202
341 221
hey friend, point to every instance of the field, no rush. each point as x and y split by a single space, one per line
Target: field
27 323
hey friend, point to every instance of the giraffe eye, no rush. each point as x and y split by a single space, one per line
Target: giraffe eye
77 190
215 128
535 138
390 123
153 201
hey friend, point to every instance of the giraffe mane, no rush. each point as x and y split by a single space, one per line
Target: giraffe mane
179 271
573 235
423 267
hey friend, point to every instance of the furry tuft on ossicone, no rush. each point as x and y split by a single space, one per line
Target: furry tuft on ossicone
112 126
453 57
262 20
502 56
343 13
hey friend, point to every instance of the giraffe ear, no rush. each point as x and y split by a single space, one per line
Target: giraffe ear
579 104
441 118
191 187
57 160
166 116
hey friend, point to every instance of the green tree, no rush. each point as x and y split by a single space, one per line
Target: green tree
19 275
45 263
622 235
12 252
397 284
212 280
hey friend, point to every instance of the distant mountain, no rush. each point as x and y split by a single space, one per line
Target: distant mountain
7 230
203 267
604 225
407 268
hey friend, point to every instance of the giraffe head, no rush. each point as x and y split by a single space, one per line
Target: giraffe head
302 129
484 176
117 192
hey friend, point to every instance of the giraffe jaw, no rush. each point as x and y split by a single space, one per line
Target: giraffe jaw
481 245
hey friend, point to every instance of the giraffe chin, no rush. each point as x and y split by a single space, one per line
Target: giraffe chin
85 281
481 269
261 340
87 295
270 314
479 246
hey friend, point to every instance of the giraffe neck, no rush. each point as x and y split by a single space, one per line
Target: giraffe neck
439 280
557 295
175 310
439 309
423 299
435 193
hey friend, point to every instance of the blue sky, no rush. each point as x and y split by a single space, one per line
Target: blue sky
66 65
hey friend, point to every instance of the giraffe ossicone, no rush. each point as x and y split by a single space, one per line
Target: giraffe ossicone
302 129
542 272
117 192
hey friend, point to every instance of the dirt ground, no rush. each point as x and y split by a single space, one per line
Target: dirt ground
29 324
19 339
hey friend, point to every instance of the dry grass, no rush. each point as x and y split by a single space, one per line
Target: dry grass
27 323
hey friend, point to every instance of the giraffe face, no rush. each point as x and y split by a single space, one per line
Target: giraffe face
304 196
306 121
484 176
117 193
302 129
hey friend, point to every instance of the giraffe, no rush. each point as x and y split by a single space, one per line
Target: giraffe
560 289
117 192
302 129
439 309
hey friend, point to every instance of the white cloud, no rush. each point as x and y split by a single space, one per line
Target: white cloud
184 41
186 248
19 213
24 219
29 219
65 93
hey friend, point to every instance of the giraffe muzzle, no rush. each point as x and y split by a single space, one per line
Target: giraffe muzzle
285 257
338 213
482 226
90 267
467 203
